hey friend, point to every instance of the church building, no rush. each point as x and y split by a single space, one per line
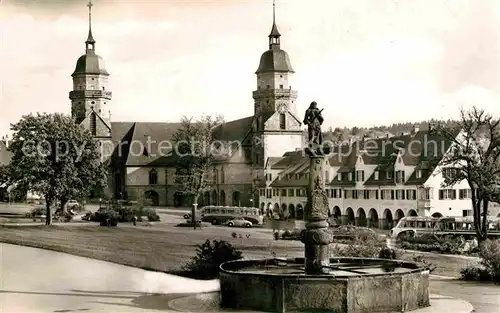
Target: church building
138 174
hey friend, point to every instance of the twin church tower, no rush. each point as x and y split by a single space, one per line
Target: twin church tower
275 118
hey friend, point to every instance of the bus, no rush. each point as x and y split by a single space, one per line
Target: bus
216 214
416 226
464 226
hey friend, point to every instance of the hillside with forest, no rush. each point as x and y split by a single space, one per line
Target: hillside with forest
354 133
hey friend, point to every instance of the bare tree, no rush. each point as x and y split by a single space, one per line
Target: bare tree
474 156
197 149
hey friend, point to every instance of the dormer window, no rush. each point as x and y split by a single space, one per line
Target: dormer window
339 176
349 176
388 175
418 174
376 175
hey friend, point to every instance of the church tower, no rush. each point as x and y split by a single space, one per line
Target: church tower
276 122
90 97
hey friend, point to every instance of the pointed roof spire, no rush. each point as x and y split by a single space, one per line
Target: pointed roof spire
274 30
90 43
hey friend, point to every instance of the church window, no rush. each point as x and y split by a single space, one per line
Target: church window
222 178
93 126
281 86
103 88
93 102
282 121
153 177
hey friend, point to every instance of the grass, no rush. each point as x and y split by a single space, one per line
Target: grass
165 248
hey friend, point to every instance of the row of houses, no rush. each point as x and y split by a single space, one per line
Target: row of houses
372 182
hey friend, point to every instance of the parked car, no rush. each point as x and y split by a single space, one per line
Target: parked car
72 203
187 216
239 222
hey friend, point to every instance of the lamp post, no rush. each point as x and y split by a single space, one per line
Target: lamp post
193 214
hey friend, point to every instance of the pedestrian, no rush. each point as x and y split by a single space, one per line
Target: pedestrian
134 220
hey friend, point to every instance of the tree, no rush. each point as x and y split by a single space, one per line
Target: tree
54 157
474 156
196 149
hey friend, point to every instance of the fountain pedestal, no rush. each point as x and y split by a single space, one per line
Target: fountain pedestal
316 236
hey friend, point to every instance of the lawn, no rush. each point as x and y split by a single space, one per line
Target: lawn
166 248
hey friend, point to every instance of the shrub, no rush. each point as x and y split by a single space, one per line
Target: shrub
362 244
276 235
106 215
475 273
490 258
209 256
286 234
387 253
126 213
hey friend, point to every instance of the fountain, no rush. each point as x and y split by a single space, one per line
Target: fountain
317 282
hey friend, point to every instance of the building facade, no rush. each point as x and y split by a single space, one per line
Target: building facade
372 182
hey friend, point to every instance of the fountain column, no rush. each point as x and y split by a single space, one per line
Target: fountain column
316 237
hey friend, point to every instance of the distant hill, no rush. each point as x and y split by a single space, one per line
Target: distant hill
354 133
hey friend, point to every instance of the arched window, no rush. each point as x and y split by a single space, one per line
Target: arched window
153 177
222 178
282 121
93 126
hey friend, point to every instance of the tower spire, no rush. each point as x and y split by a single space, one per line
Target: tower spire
274 36
90 43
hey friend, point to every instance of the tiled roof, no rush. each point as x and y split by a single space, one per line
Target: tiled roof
288 159
423 150
237 130
156 140
271 161
151 143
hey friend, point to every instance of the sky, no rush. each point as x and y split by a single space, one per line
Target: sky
366 62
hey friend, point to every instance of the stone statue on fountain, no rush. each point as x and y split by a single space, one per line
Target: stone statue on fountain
313 119
316 237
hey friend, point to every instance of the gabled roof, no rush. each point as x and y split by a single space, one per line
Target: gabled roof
151 142
423 150
271 161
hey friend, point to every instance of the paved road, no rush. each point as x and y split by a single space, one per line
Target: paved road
485 298
35 280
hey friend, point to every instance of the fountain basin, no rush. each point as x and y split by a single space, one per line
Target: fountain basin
354 285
